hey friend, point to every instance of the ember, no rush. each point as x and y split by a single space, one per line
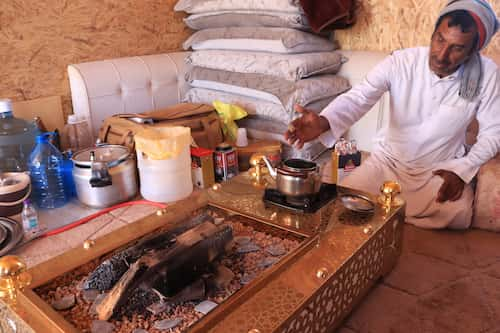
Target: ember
152 306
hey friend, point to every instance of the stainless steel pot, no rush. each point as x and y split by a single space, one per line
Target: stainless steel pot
104 175
296 177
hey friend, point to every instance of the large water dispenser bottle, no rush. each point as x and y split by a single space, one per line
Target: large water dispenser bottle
46 166
17 139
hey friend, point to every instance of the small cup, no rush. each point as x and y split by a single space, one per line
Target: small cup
242 139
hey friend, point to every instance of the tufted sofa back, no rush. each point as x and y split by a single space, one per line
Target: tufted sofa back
100 89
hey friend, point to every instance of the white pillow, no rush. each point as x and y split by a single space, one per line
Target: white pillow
291 67
264 39
202 6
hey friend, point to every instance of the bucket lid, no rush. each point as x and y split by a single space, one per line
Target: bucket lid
112 155
11 182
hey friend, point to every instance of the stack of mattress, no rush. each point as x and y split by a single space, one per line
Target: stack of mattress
259 54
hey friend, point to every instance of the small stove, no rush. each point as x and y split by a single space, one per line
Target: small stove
306 204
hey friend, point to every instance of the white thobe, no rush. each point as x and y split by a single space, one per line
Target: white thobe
426 132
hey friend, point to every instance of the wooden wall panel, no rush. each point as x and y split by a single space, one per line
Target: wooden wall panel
388 25
38 39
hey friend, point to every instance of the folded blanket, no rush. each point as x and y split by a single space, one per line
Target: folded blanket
203 6
332 14
252 106
262 128
263 39
246 18
291 67
269 88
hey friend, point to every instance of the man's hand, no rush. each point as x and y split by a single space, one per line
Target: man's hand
452 186
306 128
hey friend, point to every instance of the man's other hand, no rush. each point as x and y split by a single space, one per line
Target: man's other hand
306 128
452 186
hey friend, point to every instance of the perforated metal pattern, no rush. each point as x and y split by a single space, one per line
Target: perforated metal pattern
335 299
255 313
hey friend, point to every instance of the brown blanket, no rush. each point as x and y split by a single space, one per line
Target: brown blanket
329 14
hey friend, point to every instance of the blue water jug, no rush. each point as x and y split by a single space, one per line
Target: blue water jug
17 139
46 167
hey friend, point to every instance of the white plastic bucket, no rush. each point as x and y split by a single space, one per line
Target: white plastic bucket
165 180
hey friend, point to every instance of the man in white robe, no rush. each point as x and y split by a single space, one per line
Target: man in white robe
435 93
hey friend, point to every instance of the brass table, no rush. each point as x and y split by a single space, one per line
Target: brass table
310 290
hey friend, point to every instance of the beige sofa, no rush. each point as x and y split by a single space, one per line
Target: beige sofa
137 84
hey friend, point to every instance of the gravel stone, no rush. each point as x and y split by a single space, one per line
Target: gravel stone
64 303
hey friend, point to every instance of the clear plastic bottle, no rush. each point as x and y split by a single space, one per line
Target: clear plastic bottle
29 216
76 134
46 166
17 139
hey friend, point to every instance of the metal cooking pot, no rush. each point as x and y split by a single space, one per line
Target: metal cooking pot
296 177
104 175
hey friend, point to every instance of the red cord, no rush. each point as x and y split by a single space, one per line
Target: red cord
102 212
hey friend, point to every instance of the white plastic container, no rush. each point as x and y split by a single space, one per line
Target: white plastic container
165 180
164 163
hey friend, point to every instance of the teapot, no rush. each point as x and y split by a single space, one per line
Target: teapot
296 177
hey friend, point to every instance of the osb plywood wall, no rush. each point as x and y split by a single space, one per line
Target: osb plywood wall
38 39
387 25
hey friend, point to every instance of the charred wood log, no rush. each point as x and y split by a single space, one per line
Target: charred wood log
107 274
169 270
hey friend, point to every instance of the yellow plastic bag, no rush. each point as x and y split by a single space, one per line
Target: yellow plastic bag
164 142
228 114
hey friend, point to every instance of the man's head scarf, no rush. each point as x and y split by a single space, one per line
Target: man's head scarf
487 25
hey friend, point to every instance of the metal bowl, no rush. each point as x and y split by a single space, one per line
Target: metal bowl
357 203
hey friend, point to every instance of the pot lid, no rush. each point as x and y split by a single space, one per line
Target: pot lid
112 155
299 165
11 182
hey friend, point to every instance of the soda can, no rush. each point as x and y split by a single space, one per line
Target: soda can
225 162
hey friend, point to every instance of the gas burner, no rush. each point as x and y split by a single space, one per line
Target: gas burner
306 204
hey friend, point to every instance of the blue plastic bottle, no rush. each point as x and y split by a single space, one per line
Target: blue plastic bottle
46 166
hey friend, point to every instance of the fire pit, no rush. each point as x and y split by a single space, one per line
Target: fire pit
269 270
252 248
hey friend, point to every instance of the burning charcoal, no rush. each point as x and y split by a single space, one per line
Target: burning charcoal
205 307
102 326
157 308
89 295
247 278
247 248
167 324
97 301
64 303
268 261
276 250
242 240
223 277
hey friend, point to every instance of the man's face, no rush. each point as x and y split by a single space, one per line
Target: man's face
450 47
